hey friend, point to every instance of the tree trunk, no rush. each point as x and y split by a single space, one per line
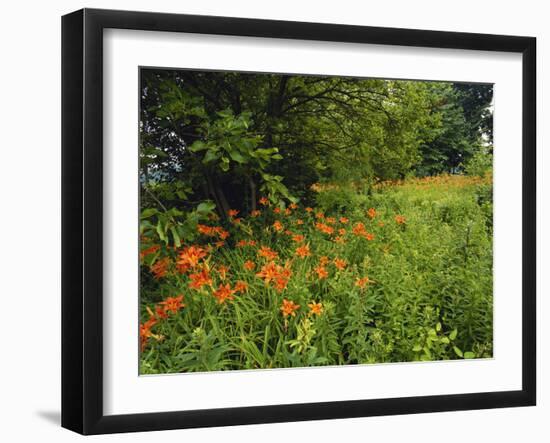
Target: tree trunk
223 200
253 197
221 203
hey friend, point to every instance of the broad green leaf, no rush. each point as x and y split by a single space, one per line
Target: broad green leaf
210 156
177 241
160 231
236 156
206 207
458 351
198 146
149 212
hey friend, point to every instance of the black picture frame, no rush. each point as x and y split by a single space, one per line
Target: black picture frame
82 215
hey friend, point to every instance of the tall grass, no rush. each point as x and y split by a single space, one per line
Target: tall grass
403 273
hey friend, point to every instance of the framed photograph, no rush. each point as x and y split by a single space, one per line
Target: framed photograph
269 221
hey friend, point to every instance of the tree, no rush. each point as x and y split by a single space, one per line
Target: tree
466 126
229 136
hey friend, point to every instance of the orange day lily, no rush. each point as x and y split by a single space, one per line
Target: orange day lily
278 226
298 238
269 272
172 304
324 228
400 220
362 282
321 272
303 251
206 230
241 286
145 332
340 264
160 268
200 279
315 308
190 257
267 252
289 308
223 293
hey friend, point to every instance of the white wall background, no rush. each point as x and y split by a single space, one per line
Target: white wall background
30 218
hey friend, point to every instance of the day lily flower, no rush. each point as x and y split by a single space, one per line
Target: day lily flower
315 308
269 272
160 267
321 272
324 228
289 308
362 282
223 293
190 257
340 264
278 226
268 253
400 220
303 251
298 238
200 279
172 304
241 286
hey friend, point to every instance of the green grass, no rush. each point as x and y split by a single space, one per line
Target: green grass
429 296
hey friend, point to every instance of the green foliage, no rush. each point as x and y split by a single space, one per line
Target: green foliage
228 164
480 164
171 227
429 296
228 136
465 126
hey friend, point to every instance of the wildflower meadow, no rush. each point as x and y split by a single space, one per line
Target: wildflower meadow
291 221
